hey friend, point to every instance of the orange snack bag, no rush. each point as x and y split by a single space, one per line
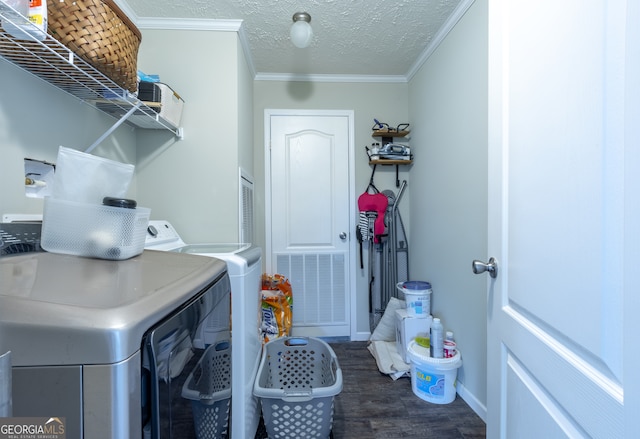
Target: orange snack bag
277 304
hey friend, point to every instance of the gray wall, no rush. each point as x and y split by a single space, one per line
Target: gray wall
448 106
193 183
386 102
35 119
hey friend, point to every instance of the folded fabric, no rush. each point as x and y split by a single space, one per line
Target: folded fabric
388 359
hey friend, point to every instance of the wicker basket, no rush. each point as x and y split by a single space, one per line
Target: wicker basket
101 34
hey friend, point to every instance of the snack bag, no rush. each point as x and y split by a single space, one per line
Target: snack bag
277 304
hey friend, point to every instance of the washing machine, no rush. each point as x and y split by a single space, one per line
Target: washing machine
244 266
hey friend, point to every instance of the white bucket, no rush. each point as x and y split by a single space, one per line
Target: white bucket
417 296
433 379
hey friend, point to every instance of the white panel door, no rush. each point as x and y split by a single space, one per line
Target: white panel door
562 216
311 218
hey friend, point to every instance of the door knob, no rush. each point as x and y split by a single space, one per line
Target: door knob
343 235
480 267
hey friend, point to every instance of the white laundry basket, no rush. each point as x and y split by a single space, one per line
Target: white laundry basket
297 380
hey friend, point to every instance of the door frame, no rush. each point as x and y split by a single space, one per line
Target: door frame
349 114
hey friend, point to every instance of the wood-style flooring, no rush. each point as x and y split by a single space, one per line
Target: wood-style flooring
373 406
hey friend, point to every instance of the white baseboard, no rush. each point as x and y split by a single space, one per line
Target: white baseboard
361 336
472 401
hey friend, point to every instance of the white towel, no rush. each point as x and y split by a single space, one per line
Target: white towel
388 359
386 329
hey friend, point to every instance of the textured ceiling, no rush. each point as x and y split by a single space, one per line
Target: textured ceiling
360 37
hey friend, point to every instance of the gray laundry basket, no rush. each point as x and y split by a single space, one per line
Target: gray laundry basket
297 380
208 387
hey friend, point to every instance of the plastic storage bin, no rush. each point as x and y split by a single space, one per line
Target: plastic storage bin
93 230
208 387
296 383
170 103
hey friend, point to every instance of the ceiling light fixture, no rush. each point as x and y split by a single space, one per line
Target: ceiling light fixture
301 31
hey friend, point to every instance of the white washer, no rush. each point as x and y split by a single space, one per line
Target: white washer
244 265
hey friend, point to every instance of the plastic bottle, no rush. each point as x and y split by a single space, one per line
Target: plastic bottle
38 17
449 345
449 336
437 339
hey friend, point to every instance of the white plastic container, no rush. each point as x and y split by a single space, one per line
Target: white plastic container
39 19
417 296
449 345
93 230
433 379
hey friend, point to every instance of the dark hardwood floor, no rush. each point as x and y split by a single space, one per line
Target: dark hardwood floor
373 406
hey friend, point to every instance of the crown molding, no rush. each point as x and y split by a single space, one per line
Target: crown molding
293 77
192 24
200 24
439 37
124 7
189 24
178 23
236 26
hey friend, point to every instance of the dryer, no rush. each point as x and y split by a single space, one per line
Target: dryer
244 267
105 346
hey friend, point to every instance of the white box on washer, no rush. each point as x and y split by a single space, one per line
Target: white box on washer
407 328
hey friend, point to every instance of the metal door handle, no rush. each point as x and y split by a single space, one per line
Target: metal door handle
480 267
343 235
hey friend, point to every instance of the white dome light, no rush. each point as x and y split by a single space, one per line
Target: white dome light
301 31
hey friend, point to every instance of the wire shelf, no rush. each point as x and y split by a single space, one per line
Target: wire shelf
55 64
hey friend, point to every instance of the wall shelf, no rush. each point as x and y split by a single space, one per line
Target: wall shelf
387 137
55 64
389 133
390 162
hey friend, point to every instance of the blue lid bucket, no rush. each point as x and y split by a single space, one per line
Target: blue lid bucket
417 296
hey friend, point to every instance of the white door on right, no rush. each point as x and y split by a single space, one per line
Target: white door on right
563 219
